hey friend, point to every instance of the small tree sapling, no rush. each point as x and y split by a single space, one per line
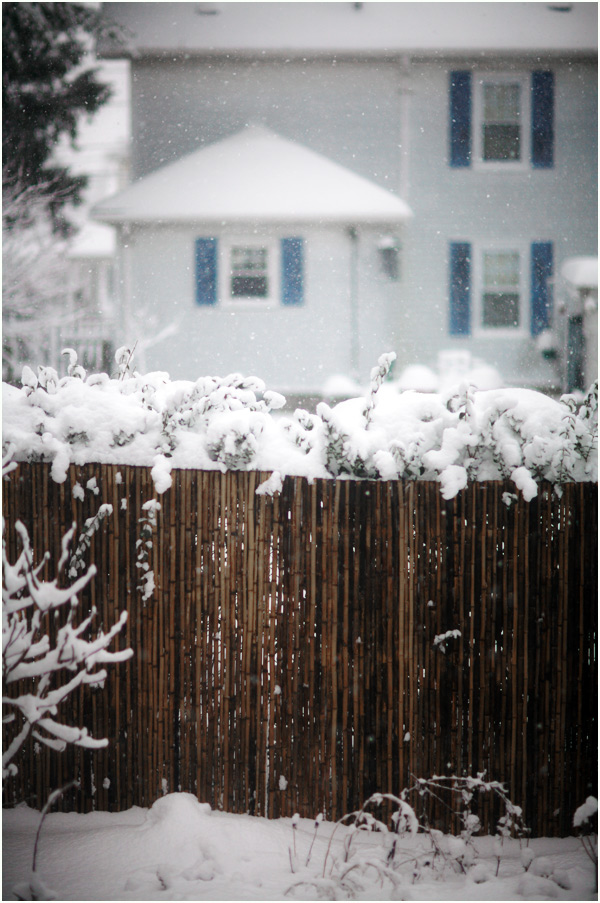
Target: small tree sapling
49 671
33 888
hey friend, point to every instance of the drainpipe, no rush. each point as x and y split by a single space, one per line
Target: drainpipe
354 345
404 127
126 283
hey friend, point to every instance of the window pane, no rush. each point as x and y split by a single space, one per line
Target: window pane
501 309
501 103
501 268
248 258
501 142
249 287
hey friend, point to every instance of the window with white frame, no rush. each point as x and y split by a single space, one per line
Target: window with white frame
501 305
500 290
249 271
501 114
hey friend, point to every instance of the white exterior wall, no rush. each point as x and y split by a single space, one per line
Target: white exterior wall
387 120
487 207
290 348
348 110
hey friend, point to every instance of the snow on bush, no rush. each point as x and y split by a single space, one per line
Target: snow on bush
397 861
228 424
585 813
585 824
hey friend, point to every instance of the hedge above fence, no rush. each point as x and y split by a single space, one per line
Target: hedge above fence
228 424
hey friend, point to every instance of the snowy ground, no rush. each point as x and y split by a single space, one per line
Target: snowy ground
181 850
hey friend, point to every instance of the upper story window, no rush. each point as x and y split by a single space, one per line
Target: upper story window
501 119
501 122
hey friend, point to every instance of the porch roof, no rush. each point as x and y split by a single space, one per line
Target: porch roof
253 176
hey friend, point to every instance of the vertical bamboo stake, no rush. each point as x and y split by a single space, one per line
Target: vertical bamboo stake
262 632
403 683
413 661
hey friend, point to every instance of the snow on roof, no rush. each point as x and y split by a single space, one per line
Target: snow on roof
378 28
94 240
253 175
582 272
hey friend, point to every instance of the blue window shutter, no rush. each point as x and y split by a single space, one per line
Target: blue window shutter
460 288
292 271
206 271
542 119
460 119
542 259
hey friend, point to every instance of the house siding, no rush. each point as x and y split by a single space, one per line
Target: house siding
347 110
488 206
291 348
387 120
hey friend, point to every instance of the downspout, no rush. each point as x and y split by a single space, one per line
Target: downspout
126 283
404 127
354 344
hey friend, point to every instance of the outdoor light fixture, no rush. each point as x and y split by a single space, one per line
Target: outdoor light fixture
389 254
207 9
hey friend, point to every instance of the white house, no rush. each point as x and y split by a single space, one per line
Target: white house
480 117
256 248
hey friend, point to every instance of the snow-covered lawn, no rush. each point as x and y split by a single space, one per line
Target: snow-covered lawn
181 850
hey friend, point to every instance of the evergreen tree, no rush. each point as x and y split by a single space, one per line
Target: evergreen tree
44 91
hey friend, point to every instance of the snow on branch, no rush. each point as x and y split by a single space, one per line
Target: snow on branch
227 423
49 669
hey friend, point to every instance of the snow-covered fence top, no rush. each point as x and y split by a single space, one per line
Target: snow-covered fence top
228 424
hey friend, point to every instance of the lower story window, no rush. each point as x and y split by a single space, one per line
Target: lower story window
249 272
501 290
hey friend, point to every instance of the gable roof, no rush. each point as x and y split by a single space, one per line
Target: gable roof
253 176
154 29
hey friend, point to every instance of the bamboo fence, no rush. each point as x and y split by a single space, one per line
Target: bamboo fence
287 660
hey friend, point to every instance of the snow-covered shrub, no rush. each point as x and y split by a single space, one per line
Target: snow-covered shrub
401 858
229 423
299 428
344 452
47 670
585 824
